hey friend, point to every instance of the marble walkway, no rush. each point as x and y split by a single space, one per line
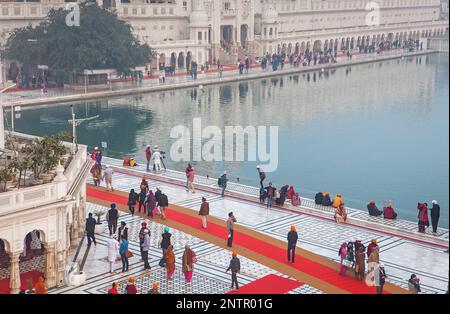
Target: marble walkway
402 256
209 274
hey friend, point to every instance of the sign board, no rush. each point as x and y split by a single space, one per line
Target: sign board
43 67
17 108
104 145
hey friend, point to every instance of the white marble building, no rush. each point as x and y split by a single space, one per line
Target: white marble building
55 211
229 29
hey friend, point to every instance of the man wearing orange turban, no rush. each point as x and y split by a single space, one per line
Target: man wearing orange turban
292 239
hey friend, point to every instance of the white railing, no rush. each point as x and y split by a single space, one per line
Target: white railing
76 163
28 197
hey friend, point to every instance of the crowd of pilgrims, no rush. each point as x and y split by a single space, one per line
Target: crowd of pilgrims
352 255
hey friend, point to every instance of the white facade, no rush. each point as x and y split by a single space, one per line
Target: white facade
56 210
228 29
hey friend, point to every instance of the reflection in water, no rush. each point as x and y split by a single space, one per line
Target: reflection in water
376 131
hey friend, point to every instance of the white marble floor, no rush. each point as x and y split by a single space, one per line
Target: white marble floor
401 256
209 274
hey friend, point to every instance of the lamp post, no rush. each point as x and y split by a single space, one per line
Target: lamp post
74 132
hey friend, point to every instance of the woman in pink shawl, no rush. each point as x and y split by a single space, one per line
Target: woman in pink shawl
189 259
150 203
342 254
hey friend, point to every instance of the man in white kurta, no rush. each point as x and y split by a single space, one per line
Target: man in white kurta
156 160
113 252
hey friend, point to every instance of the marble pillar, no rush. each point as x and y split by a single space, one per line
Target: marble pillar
61 258
14 283
50 269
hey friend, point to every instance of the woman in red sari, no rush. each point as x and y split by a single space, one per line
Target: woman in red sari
189 259
423 216
290 193
170 262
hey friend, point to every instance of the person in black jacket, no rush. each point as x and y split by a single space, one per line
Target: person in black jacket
132 199
90 229
373 209
165 240
262 176
292 239
112 217
381 279
157 197
123 231
163 202
318 198
327 200
235 267
143 194
435 214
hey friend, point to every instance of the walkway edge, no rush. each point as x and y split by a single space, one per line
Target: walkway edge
169 87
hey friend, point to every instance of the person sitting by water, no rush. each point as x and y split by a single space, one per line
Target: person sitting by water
373 209
340 215
296 200
326 199
290 193
126 161
262 195
133 163
281 199
389 212
318 199
337 201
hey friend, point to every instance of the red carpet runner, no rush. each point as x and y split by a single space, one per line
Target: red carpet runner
271 284
34 275
312 268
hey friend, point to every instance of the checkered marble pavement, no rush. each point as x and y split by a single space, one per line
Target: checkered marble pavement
209 272
200 284
305 289
401 256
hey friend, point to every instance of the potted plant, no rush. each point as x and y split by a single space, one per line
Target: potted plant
20 167
44 154
99 228
75 276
